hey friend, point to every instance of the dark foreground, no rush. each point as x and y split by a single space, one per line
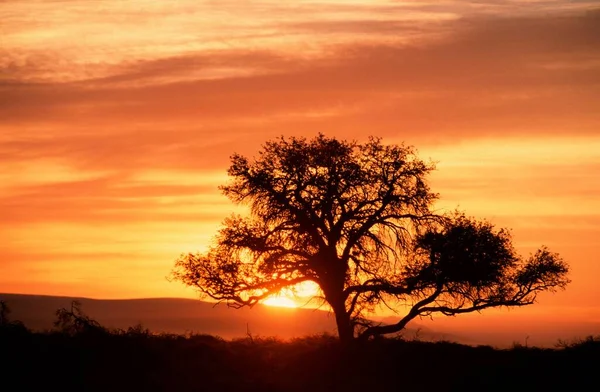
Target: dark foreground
136 360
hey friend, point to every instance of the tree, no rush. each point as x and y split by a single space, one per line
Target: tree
74 321
4 312
358 220
6 324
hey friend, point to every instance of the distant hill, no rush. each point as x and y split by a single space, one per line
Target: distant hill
174 315
178 315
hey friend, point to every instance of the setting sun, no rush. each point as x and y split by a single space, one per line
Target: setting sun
280 301
298 296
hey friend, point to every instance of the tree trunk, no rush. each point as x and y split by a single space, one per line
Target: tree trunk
342 320
332 285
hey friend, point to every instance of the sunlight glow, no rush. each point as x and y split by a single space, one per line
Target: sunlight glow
300 295
279 301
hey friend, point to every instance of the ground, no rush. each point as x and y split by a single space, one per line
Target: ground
137 360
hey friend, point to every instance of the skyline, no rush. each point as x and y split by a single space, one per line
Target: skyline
118 120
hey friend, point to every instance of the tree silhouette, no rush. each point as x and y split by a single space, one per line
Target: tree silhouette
74 321
4 312
6 324
358 220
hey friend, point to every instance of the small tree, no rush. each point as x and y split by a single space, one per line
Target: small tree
6 324
74 321
357 220
4 312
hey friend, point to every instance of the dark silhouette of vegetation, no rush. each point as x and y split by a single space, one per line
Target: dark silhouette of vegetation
70 358
4 312
358 220
5 322
122 361
73 321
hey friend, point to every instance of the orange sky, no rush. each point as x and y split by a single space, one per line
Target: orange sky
117 120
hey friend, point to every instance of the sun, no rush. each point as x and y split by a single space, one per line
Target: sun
293 297
282 302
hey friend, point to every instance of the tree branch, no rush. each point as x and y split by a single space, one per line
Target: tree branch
414 312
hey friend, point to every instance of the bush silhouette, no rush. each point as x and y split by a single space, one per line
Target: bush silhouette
120 361
73 321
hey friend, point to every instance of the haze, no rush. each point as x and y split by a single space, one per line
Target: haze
117 120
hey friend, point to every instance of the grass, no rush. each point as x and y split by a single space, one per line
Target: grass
136 360
81 355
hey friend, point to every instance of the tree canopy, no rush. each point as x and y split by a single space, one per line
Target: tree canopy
359 221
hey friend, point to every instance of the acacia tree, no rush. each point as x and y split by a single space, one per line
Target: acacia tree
358 220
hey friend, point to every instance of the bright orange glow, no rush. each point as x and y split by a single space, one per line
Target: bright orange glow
300 295
113 140
304 290
279 301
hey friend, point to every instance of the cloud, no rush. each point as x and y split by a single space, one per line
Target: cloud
480 77
498 73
